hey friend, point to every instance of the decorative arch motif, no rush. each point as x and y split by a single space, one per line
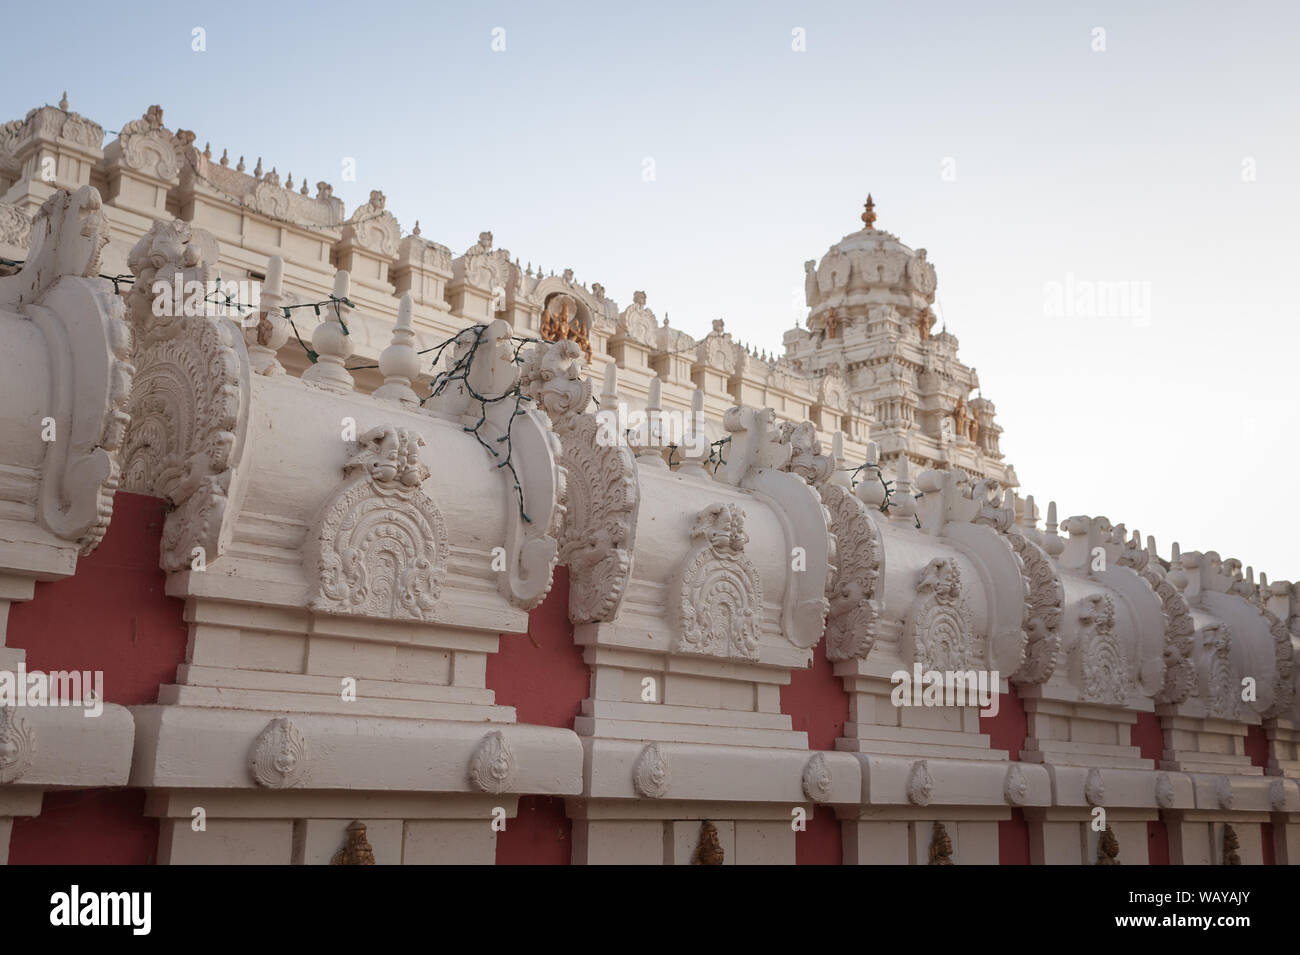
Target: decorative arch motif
1043 608
854 609
380 544
720 600
1106 675
1223 687
940 622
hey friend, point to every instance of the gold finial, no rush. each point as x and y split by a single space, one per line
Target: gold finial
869 217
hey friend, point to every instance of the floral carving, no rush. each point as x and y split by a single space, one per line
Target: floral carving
720 600
1106 677
940 624
374 228
380 544
817 779
492 767
17 744
854 610
15 227
279 756
1043 608
147 146
650 775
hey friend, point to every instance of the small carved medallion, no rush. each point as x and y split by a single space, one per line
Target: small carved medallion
1164 791
1094 790
492 767
279 756
919 784
650 775
817 779
1015 788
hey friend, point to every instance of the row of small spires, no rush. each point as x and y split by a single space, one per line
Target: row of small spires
400 365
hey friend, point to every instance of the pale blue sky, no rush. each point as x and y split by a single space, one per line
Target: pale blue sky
1122 165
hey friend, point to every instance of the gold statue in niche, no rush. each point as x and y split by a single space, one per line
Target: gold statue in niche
959 417
356 850
940 845
709 851
1107 848
832 324
561 322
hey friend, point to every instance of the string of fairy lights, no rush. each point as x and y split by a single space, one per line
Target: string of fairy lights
459 372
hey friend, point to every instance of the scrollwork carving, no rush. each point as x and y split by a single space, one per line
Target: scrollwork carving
719 603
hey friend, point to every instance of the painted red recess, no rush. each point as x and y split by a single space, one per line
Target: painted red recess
1007 730
1147 736
112 616
1256 746
817 704
542 675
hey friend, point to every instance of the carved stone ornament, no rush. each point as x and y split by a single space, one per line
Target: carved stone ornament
17 744
1223 792
638 322
279 756
189 406
379 546
1105 671
492 767
1180 631
88 376
854 610
1224 688
1015 788
1284 657
356 849
719 603
939 626
15 226
147 146
920 784
1277 795
817 779
650 776
1043 608
602 494
373 227
1094 790
1164 791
